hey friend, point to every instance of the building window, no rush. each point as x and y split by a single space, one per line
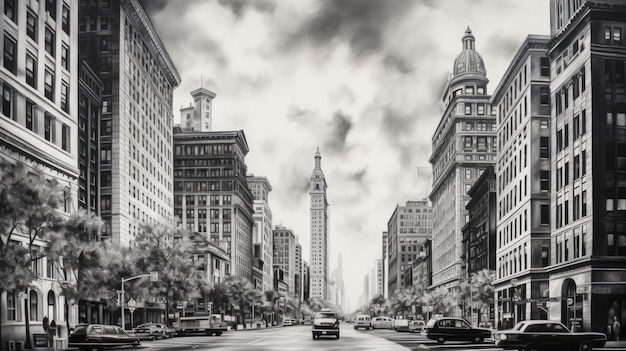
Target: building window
65 137
7 100
481 109
33 302
545 181
64 97
467 142
65 19
30 112
11 306
468 108
51 8
47 127
545 214
544 147
65 54
105 203
31 71
544 93
31 25
105 155
49 41
49 85
10 52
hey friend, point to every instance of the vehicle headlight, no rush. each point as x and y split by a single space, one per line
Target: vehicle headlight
502 336
336 325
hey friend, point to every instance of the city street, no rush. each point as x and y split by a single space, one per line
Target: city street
299 338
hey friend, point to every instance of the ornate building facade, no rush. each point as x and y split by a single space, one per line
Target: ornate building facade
319 231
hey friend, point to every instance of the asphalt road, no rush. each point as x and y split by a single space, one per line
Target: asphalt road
296 338
292 338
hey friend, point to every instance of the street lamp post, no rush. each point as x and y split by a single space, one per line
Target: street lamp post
154 276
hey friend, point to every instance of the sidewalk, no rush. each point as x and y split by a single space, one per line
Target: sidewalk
615 345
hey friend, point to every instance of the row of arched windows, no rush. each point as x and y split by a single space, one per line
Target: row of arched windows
38 308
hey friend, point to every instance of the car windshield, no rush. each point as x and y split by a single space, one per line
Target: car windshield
431 323
519 326
325 315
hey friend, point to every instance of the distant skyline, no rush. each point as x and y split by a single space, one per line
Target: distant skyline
360 79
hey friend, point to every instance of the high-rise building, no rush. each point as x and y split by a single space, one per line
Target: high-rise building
211 193
337 277
262 233
588 163
319 231
376 279
385 258
89 107
298 271
122 47
306 281
522 176
285 255
199 115
408 227
464 144
39 129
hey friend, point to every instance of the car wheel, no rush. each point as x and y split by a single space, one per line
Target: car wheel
314 336
337 336
478 339
355 328
584 346
441 340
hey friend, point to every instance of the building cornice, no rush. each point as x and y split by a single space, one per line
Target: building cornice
137 13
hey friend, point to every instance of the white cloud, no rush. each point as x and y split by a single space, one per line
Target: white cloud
285 70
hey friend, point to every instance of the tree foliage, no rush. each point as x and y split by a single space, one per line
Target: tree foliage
168 250
477 292
402 301
442 300
240 293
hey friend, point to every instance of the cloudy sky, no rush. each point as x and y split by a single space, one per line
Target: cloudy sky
360 79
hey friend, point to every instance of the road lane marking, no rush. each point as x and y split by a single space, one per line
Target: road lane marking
252 342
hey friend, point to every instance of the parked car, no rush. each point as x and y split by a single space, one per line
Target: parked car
362 321
450 328
99 336
382 323
287 322
325 322
153 331
416 326
401 325
546 335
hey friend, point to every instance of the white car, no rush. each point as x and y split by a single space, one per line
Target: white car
325 323
382 323
287 321
362 321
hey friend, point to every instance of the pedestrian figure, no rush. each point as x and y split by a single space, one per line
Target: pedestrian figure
52 332
46 326
616 328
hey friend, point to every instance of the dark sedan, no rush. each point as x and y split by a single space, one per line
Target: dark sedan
99 336
457 329
547 335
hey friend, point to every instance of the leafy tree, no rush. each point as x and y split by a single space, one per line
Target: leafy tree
168 250
378 302
74 244
28 206
218 295
442 300
402 301
239 293
271 302
477 292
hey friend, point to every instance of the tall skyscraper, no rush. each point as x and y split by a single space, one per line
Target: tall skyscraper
408 227
464 144
122 47
298 271
522 185
211 193
262 233
319 231
285 255
588 163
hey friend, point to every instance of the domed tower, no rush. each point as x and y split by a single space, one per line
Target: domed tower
469 74
463 146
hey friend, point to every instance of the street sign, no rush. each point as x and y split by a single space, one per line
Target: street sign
154 276
132 303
